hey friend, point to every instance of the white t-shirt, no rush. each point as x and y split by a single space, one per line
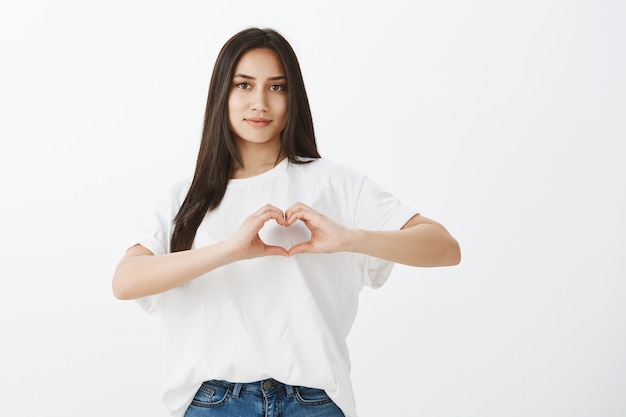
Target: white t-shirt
277 317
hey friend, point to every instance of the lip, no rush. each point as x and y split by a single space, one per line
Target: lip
257 121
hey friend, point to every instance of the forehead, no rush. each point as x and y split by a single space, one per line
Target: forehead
260 63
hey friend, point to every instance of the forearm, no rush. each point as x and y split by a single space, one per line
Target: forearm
425 245
146 274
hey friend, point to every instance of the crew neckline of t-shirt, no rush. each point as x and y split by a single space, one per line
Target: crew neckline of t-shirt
271 173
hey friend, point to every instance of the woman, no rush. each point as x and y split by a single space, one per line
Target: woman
254 267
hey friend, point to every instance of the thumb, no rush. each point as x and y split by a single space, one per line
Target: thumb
271 250
302 247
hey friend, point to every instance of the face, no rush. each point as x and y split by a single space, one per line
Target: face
257 104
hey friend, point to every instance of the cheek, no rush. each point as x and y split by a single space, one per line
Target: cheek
233 107
281 107
232 103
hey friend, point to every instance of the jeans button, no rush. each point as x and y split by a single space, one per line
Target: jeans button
267 385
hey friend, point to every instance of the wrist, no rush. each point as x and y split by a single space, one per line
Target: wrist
355 239
221 253
229 252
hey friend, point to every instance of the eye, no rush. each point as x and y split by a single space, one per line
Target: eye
278 87
243 86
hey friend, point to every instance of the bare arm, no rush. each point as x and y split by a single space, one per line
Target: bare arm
420 242
141 273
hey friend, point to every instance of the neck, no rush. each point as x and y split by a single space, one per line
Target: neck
256 160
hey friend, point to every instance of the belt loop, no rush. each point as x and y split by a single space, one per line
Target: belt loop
236 390
289 390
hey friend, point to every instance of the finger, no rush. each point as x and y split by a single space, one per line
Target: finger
296 208
292 218
275 213
281 219
303 247
268 208
304 214
268 212
271 250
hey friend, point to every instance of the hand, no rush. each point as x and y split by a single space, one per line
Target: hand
326 235
246 243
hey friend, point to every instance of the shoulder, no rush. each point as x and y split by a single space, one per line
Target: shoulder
328 168
174 195
179 189
324 177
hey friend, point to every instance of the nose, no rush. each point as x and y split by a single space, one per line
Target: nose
258 100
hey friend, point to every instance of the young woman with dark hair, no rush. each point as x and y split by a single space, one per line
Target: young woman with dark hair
254 267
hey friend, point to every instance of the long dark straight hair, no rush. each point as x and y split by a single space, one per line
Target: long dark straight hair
217 148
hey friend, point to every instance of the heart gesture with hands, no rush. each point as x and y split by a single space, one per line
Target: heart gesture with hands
327 236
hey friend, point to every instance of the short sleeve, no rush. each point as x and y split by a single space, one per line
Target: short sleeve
378 209
155 233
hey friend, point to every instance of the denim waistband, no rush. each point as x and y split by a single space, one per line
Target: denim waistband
265 386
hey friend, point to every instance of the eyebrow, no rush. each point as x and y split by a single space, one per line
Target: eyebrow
248 77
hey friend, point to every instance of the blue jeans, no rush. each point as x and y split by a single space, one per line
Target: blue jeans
268 398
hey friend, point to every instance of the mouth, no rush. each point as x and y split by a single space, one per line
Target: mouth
257 121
